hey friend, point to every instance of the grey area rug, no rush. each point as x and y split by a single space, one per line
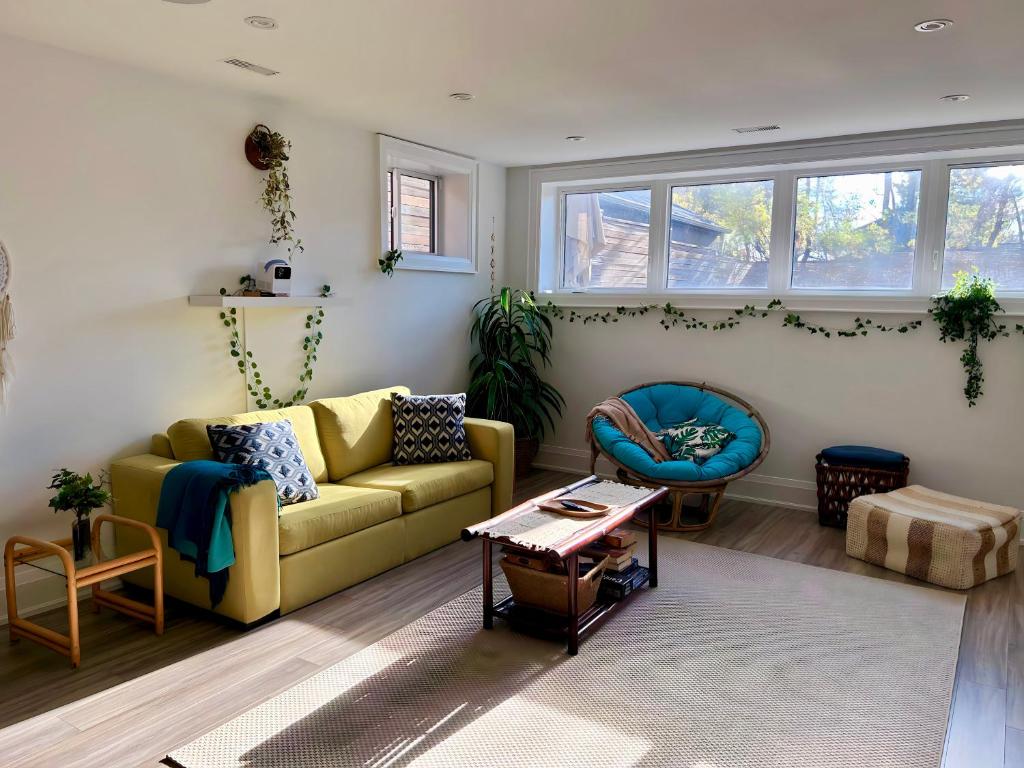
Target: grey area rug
735 660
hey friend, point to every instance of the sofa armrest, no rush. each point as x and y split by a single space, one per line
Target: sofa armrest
254 587
494 441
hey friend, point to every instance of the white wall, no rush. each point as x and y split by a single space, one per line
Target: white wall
899 392
122 192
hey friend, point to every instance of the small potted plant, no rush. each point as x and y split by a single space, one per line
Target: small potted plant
81 494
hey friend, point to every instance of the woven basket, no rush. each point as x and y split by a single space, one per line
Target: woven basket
542 589
838 485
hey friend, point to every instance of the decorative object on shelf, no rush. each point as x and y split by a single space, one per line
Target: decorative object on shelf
80 494
388 262
268 150
967 313
325 291
513 334
249 369
274 277
493 258
248 286
6 324
845 472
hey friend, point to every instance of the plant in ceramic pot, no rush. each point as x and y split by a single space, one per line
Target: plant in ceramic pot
513 338
80 494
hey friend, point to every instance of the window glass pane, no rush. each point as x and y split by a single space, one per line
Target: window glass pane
985 225
719 235
391 214
607 238
856 231
417 200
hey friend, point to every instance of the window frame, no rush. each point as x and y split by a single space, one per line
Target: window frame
396 195
455 204
934 156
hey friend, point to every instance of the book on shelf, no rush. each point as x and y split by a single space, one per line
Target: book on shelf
618 585
618 557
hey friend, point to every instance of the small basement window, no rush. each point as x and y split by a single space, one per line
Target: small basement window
429 206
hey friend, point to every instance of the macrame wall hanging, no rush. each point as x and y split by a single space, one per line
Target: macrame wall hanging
6 324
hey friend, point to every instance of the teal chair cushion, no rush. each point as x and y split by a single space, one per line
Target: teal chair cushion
665 405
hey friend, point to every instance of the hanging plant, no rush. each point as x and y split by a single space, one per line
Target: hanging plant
968 313
268 150
388 262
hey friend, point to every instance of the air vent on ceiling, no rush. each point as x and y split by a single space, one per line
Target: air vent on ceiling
243 64
758 129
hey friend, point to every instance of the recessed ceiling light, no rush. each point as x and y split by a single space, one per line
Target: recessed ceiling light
575 138
459 96
955 97
933 25
261 22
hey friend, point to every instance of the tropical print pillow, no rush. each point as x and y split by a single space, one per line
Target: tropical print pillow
695 440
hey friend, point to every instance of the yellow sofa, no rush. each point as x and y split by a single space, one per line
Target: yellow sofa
371 515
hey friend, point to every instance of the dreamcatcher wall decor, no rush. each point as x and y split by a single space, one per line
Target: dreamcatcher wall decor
6 324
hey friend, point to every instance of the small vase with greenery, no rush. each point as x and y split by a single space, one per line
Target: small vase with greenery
513 338
271 154
968 313
80 494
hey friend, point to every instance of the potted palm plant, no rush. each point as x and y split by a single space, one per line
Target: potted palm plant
513 338
80 494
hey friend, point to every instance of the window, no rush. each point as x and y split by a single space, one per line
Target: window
856 231
985 225
413 223
607 239
719 235
881 223
428 201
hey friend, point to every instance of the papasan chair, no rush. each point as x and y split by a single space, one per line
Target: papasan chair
665 404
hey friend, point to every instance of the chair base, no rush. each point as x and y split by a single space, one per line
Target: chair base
711 500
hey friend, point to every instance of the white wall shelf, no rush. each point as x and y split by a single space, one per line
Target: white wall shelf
267 301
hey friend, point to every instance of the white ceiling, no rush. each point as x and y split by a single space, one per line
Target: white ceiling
633 76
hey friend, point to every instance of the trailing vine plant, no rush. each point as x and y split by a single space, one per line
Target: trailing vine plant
674 316
389 261
272 149
250 369
968 313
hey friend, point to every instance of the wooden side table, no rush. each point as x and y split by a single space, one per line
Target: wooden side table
89 576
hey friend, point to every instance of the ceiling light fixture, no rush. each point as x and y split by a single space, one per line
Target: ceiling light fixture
261 22
955 97
460 96
933 25
575 138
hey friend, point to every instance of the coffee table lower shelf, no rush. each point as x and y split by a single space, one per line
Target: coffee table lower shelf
555 626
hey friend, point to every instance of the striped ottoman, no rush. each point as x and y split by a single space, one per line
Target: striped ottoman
947 540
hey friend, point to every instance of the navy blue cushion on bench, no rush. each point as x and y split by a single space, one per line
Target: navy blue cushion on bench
862 456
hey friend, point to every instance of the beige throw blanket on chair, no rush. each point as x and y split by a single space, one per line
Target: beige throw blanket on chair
624 418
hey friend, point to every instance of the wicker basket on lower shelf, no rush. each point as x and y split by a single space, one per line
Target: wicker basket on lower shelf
543 589
839 484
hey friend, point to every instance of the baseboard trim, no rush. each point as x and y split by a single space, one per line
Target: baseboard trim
754 488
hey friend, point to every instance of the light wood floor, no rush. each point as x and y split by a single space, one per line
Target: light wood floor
137 696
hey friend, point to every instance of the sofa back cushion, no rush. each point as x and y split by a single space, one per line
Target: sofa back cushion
356 431
190 442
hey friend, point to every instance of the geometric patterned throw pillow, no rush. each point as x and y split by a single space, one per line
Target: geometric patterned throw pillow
695 440
429 428
271 446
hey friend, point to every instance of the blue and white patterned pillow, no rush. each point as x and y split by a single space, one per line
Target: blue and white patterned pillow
271 446
429 428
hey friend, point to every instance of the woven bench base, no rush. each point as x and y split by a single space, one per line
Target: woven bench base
946 540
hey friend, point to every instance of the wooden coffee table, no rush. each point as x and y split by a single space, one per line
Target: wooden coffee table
565 549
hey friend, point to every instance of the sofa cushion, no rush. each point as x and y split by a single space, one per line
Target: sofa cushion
273 448
355 431
429 428
422 485
189 440
339 511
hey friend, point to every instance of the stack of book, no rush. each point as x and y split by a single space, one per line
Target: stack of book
624 572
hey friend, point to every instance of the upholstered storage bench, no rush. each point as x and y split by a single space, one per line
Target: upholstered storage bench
947 540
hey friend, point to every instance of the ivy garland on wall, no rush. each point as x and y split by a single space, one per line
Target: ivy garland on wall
967 313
